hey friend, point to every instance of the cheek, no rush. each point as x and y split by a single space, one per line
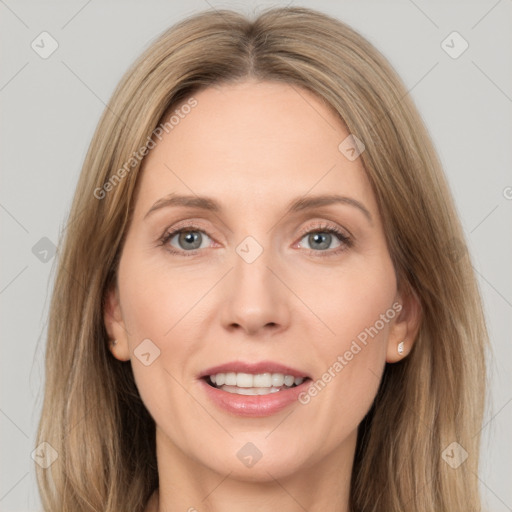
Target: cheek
357 307
354 302
157 306
155 299
147 314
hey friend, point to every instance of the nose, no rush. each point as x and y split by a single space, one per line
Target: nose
255 300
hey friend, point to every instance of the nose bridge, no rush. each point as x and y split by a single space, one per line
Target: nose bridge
255 296
251 266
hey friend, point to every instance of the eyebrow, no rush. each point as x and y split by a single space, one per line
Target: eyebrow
297 205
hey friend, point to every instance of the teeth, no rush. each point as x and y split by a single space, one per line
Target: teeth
230 379
277 380
250 391
261 383
246 380
260 380
289 380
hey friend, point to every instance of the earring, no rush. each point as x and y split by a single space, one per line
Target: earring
113 342
400 348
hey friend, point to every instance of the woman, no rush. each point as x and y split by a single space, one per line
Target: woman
264 297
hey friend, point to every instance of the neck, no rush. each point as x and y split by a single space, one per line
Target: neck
187 485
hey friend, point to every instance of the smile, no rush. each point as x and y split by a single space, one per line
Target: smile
253 384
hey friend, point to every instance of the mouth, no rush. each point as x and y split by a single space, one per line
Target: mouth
253 384
253 389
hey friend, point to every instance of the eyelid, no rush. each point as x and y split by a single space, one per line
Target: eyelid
191 225
325 224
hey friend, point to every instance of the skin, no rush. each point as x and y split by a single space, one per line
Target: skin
254 147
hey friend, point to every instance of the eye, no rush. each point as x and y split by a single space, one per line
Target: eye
321 238
188 240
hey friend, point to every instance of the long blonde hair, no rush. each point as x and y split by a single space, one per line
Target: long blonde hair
92 414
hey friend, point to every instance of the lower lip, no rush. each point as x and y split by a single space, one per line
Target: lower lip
254 405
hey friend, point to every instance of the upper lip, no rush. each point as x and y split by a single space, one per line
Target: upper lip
254 368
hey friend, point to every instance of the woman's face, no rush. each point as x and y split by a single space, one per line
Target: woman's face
268 280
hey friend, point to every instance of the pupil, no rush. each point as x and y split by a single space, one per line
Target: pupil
190 237
317 237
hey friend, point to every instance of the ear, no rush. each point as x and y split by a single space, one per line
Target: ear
405 326
115 326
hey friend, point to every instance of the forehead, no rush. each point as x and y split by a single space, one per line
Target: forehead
253 141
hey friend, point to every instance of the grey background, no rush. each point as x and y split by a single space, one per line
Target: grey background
50 108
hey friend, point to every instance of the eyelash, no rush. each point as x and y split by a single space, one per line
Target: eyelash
346 241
